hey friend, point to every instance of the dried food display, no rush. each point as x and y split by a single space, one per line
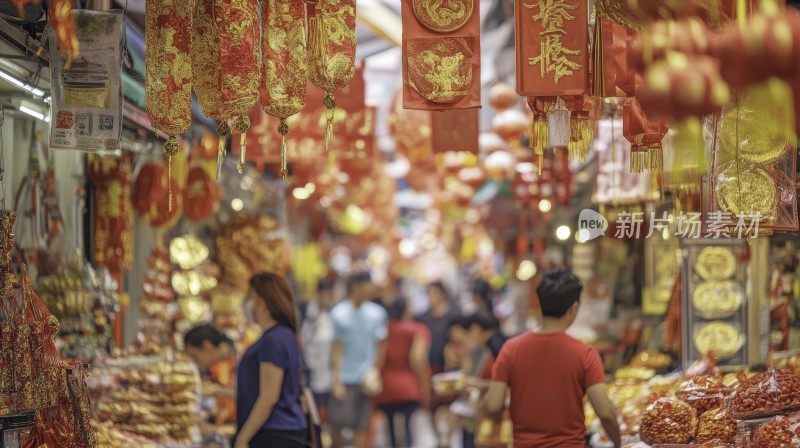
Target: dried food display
780 432
668 421
703 393
716 425
769 393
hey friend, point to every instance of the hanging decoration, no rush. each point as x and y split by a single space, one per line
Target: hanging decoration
285 64
331 50
441 54
63 25
552 43
455 130
168 81
207 70
645 135
201 195
113 214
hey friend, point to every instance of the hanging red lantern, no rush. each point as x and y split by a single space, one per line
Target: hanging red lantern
149 188
201 195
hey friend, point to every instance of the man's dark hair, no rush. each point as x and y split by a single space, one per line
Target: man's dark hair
397 309
198 335
482 319
483 290
440 286
359 278
324 285
559 289
457 321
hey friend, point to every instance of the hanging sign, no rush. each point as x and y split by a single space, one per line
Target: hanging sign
455 130
552 41
86 103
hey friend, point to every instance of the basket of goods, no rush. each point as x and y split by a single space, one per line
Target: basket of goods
716 426
780 432
703 393
449 383
769 393
495 433
668 421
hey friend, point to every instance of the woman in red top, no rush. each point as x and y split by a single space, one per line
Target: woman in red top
405 371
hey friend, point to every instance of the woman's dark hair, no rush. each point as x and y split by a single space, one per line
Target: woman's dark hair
482 319
201 333
483 290
276 293
397 309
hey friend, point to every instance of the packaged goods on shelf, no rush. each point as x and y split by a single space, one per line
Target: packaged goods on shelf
668 421
769 393
150 397
703 393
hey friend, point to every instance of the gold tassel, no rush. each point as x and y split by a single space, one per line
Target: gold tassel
540 136
656 157
223 130
639 160
597 54
241 127
283 129
171 149
330 106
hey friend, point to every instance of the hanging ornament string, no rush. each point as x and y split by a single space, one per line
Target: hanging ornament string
240 65
331 51
285 65
207 69
62 23
168 81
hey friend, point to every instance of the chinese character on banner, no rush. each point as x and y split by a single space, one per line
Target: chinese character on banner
552 44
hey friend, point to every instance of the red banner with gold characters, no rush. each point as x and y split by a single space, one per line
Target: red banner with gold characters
354 122
552 40
455 130
113 210
441 54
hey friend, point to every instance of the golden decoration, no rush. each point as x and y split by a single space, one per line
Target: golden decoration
717 299
443 16
721 338
747 135
743 189
187 251
193 308
553 56
440 70
715 263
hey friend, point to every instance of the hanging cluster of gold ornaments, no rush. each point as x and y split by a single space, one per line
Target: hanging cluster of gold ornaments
217 49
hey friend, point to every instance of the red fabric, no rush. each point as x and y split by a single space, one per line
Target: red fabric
400 383
548 375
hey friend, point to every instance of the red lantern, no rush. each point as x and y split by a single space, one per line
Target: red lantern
149 188
201 195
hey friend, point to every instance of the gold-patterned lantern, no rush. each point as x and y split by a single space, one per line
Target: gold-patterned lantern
168 81
331 50
285 64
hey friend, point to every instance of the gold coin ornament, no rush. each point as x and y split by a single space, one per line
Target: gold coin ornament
746 191
443 16
715 263
721 338
718 299
746 135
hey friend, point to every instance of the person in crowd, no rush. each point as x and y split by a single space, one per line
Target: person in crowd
547 403
215 355
484 339
439 319
269 411
406 372
482 295
317 332
359 333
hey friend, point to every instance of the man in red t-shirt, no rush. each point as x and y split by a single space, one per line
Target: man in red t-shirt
548 373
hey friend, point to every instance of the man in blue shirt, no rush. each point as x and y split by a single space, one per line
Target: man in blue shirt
359 331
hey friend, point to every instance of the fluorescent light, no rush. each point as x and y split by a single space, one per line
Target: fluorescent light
21 85
33 113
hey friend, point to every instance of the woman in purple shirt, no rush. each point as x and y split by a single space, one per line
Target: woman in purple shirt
269 413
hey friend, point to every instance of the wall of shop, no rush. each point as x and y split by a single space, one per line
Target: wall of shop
18 132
